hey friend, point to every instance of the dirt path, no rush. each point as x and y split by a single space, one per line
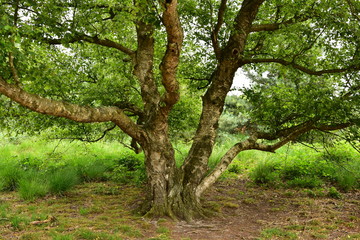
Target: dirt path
255 213
242 211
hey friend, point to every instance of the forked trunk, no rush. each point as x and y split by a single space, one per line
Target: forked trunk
167 195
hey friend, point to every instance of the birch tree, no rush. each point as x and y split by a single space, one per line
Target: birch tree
130 63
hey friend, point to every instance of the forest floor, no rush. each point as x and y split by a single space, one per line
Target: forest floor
241 211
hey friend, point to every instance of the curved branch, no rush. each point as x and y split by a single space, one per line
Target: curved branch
215 32
276 26
302 68
171 58
103 42
70 111
251 143
224 163
13 69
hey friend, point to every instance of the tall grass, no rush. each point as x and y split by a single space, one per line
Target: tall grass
10 175
63 180
299 166
32 185
36 167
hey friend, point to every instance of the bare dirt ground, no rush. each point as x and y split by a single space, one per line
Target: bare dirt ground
259 213
241 211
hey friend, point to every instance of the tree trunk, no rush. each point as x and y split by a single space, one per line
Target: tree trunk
166 195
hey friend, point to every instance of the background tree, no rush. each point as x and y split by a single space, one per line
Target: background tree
136 64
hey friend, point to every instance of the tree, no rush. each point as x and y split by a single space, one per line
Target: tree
96 62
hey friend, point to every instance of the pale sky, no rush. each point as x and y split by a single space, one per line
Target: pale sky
240 81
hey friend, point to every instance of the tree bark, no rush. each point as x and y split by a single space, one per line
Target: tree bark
172 191
166 195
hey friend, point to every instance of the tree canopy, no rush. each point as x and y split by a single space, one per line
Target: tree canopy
162 69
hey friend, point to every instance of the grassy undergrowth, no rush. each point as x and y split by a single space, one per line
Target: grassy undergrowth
81 184
302 167
35 167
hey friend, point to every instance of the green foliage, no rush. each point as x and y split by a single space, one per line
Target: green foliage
63 180
92 171
265 173
234 168
129 231
334 193
346 180
129 168
32 186
10 175
18 222
91 235
306 168
63 237
270 233
3 210
305 182
283 99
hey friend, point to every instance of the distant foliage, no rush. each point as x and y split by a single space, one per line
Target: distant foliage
10 176
63 180
129 168
305 168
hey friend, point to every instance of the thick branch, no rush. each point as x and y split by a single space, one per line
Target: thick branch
215 32
333 127
170 60
71 111
13 69
251 143
242 27
224 163
143 69
302 68
276 26
196 164
103 42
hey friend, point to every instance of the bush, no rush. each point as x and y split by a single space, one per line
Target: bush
265 172
30 189
334 193
92 172
234 168
128 169
63 180
345 180
10 176
305 168
295 170
130 161
305 182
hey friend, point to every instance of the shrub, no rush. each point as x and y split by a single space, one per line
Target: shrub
128 169
130 161
345 180
94 171
32 187
265 172
10 176
121 174
334 193
63 180
305 182
294 170
234 168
